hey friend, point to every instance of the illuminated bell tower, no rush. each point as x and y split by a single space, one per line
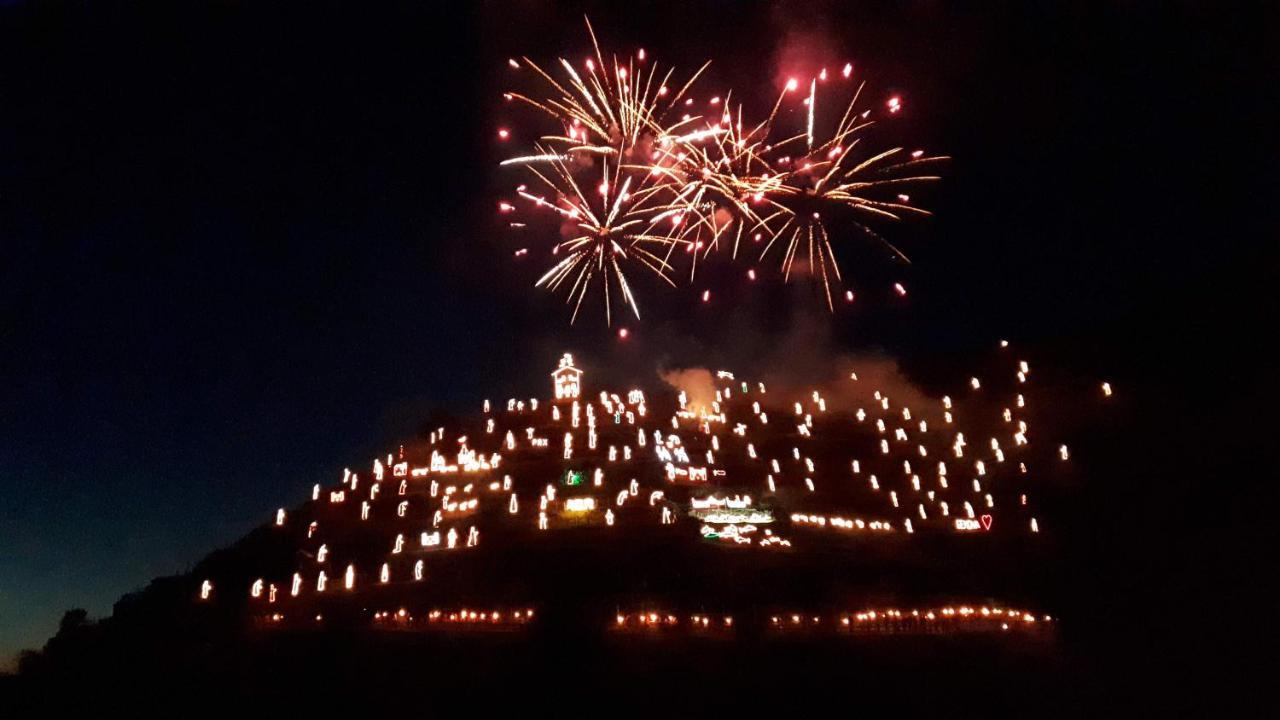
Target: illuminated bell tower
567 379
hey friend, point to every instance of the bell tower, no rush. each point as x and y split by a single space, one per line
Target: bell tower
567 379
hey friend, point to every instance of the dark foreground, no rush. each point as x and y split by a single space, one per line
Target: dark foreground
541 673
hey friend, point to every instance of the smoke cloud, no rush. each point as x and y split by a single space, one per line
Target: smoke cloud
799 361
697 383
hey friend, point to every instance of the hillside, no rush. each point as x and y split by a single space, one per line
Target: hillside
722 515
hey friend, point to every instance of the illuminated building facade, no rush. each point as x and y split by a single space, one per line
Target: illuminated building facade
567 379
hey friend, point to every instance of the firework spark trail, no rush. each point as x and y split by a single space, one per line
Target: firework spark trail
613 113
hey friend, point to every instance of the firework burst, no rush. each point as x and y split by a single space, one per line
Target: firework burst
705 191
795 198
603 233
602 170
635 180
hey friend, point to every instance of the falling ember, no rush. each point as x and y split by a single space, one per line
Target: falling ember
623 333
512 62
848 296
895 104
503 134
1106 389
640 54
751 275
848 69
505 207
706 296
792 84
897 287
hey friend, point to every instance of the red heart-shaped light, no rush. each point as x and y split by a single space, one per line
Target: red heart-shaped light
986 522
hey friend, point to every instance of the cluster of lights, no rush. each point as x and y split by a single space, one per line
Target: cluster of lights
974 524
963 617
462 616
736 534
840 523
607 438
579 504
653 620
279 619
892 620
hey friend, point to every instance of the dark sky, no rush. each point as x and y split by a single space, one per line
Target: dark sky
245 244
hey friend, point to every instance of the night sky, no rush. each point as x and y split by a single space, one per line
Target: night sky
242 247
